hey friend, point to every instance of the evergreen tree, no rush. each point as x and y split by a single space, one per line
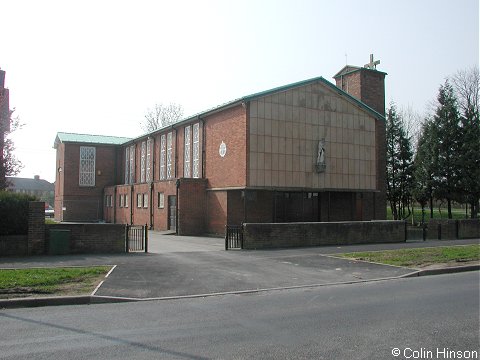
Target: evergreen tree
467 88
399 165
447 173
426 159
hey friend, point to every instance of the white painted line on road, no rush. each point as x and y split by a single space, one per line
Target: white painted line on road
98 287
113 268
101 282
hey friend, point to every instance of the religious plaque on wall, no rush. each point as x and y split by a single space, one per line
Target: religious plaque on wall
222 149
320 165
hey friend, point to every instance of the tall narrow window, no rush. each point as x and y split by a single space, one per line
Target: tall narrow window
196 150
87 166
163 146
142 162
132 165
186 155
169 156
127 165
148 171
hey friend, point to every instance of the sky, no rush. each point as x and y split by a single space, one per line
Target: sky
95 67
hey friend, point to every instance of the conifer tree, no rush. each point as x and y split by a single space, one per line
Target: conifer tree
399 165
466 84
425 162
447 173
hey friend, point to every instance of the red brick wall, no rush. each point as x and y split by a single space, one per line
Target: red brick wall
373 90
235 207
367 86
141 215
230 127
59 181
216 212
36 227
191 207
123 214
83 203
160 215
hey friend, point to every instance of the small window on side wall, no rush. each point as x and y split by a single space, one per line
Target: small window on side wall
139 200
126 200
161 200
145 200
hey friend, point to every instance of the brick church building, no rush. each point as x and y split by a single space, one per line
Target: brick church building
307 151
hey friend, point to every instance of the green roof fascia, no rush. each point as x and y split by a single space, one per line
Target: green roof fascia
257 95
373 112
90 139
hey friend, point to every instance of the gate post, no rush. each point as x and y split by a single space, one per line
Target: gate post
146 238
126 239
226 238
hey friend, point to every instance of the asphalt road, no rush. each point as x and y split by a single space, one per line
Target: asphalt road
355 321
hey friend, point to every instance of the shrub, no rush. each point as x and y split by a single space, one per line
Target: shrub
14 213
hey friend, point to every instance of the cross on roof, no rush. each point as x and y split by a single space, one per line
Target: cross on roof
372 64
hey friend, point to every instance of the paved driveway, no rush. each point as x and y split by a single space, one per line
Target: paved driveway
180 266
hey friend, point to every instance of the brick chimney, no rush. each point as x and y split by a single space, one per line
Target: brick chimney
367 84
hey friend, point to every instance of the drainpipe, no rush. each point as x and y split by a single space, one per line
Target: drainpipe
131 205
177 186
203 147
150 203
115 204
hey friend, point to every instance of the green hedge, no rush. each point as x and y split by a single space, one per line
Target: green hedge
14 213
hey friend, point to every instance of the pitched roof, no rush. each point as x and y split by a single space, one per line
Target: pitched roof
113 140
30 184
257 95
89 139
347 69
285 88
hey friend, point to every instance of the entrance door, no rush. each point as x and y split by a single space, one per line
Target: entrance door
172 212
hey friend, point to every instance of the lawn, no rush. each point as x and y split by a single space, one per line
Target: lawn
420 257
48 281
457 214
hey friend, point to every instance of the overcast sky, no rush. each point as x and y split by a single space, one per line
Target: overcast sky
96 66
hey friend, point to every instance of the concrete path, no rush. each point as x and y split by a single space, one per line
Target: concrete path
184 266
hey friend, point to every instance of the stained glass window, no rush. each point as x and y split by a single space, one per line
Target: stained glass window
87 166
196 150
186 163
163 146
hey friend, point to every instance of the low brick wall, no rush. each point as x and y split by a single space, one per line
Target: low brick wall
274 235
91 238
13 245
446 229
469 229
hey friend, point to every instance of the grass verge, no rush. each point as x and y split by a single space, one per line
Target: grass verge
420 257
50 281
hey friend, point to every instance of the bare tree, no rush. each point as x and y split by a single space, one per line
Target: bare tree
161 116
9 164
411 122
467 86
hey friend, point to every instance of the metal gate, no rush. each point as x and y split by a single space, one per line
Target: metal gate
136 238
233 237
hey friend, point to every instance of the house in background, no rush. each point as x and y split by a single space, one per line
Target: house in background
307 151
41 189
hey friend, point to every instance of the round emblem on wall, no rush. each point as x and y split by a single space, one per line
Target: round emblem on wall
222 150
